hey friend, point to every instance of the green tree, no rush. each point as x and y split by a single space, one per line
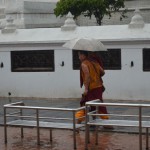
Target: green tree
98 8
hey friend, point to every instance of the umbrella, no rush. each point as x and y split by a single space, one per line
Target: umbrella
87 44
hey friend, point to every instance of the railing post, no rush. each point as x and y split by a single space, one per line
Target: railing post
86 128
5 126
96 131
74 129
38 132
140 128
51 137
147 144
21 126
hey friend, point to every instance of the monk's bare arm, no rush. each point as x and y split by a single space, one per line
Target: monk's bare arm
87 77
102 72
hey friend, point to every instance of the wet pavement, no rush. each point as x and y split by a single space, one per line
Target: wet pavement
121 138
62 140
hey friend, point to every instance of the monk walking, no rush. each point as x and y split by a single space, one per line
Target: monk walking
90 74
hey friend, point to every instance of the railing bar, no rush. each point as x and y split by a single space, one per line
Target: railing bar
20 116
17 112
17 103
113 115
117 104
43 117
55 118
90 114
43 108
39 117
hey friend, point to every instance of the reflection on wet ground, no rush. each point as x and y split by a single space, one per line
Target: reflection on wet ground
62 140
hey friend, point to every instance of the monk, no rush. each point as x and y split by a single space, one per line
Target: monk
91 73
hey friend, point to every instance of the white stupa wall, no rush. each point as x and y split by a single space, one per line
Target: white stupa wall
129 83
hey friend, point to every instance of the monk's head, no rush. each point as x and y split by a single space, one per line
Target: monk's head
82 55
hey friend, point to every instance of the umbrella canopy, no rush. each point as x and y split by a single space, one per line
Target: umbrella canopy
86 44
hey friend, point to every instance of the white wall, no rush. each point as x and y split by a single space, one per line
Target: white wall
129 83
64 82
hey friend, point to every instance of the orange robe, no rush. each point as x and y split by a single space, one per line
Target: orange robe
94 71
95 88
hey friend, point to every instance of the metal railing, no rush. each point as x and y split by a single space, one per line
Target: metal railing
138 118
38 117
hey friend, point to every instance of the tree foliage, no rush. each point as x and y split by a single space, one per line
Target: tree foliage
98 8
